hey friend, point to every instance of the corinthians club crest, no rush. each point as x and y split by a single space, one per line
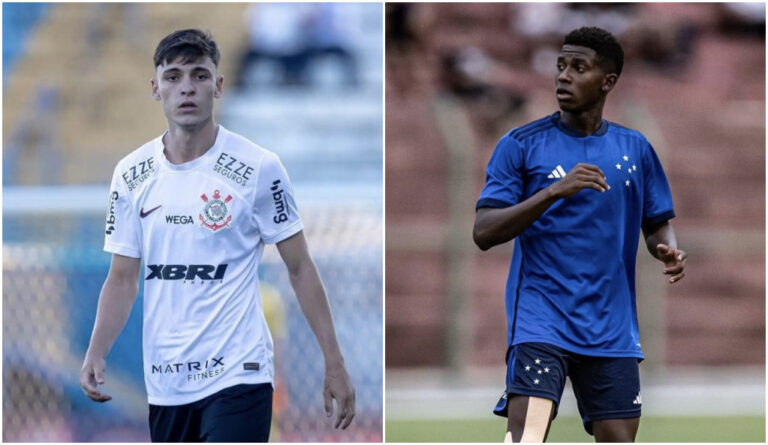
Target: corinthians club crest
214 215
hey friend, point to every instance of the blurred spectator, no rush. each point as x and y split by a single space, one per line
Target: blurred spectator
662 46
468 74
326 36
408 28
402 33
744 18
275 36
659 41
542 26
293 36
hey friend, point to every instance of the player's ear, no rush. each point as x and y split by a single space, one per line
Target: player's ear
154 86
609 81
219 87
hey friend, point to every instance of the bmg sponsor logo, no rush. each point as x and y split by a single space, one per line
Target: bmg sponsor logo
111 220
195 370
278 198
188 273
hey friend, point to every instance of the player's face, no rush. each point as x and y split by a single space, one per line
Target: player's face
581 83
187 90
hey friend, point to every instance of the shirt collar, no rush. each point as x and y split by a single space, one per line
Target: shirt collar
571 132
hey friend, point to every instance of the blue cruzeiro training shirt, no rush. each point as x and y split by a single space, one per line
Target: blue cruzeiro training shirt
572 276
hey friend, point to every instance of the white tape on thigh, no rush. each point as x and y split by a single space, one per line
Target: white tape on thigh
536 419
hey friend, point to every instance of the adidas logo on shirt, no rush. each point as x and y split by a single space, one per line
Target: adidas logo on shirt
558 173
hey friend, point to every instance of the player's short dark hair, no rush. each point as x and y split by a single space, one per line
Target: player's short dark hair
603 42
190 44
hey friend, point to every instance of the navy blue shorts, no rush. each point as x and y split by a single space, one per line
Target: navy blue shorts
240 413
605 387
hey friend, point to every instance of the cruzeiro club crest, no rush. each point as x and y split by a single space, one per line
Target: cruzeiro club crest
214 215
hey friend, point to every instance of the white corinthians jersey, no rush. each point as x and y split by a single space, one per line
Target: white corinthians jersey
200 229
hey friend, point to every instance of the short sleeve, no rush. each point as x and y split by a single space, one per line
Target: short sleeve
657 196
503 176
275 209
121 234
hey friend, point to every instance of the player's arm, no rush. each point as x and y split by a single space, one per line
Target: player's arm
314 304
115 302
494 226
662 244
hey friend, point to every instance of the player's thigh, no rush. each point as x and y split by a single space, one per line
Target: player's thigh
607 388
241 413
173 423
529 418
616 430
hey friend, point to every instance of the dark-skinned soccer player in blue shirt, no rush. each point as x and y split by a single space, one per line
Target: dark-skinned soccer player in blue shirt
575 191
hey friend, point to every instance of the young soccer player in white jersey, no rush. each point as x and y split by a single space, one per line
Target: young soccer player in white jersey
197 205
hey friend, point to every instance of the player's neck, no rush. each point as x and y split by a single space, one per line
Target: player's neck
586 122
184 144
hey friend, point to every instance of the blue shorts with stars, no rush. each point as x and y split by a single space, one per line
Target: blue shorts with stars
605 387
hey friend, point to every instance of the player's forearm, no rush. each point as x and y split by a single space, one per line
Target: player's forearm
314 304
662 233
497 226
115 303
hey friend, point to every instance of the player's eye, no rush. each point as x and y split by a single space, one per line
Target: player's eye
560 66
172 78
202 76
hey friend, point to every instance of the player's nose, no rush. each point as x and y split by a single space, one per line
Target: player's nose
564 76
187 87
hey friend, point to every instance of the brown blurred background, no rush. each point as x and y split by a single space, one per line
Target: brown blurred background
458 77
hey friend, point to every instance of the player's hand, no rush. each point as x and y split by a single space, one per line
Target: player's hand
580 177
338 386
674 261
91 375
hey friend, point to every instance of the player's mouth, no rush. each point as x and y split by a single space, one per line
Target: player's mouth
563 94
188 106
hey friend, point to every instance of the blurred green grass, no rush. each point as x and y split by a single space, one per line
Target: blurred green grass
569 429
